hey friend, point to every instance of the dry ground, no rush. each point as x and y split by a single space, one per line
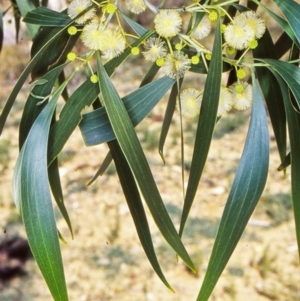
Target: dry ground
105 260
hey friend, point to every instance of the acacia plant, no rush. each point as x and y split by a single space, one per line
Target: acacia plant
262 71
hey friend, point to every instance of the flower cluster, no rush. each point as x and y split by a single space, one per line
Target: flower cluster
244 30
95 34
174 46
238 96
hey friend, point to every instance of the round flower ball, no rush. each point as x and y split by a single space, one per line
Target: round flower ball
190 102
76 7
168 23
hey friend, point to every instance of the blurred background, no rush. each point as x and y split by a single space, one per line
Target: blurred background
105 261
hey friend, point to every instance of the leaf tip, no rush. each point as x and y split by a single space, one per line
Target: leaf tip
162 156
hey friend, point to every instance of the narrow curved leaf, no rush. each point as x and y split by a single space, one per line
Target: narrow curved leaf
61 78
206 125
137 161
105 163
108 158
56 54
70 117
32 109
84 96
138 28
293 120
289 73
284 24
168 119
11 99
291 10
33 199
30 112
198 16
26 6
95 126
136 207
55 184
44 16
271 91
286 162
246 190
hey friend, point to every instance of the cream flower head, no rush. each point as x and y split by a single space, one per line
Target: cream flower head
242 95
113 44
254 21
93 36
155 49
203 29
78 6
245 28
238 34
225 101
176 64
136 6
110 42
168 23
190 101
